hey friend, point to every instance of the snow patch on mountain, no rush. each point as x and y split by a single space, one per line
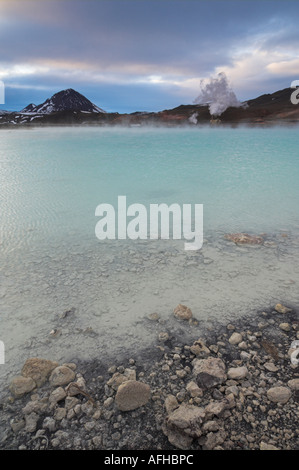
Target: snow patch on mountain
65 100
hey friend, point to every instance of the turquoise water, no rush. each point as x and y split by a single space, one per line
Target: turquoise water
51 182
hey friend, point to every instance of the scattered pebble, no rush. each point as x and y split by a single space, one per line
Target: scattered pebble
235 388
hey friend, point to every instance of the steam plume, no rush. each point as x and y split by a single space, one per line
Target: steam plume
217 93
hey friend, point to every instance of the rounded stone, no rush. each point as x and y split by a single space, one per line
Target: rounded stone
282 309
132 394
293 384
237 373
20 385
279 394
271 367
61 375
235 338
285 326
163 336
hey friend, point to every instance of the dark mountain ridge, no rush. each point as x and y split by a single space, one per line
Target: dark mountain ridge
68 107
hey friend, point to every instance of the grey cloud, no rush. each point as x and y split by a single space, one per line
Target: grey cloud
104 31
124 39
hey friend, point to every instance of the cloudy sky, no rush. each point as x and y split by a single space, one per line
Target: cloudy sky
129 55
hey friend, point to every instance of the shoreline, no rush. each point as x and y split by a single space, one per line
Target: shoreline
229 281
156 125
249 401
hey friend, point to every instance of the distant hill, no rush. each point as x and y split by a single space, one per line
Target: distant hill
268 108
65 100
68 107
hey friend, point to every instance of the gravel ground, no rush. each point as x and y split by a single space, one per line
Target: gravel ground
235 388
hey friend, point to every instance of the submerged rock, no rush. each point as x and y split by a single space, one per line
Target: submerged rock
154 316
282 309
244 239
182 312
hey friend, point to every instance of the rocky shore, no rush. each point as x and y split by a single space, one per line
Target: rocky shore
235 388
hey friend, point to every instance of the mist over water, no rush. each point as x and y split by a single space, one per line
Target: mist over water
56 275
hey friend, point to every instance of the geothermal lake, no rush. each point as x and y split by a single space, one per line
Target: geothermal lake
58 277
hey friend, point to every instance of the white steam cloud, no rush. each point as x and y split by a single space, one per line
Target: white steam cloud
217 93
